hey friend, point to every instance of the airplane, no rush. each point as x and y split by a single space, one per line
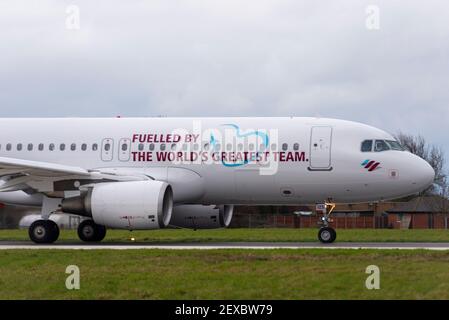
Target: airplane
152 173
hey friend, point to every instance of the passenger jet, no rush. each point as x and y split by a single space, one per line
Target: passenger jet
151 173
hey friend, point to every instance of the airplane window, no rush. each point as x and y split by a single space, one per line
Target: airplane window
94 147
51 146
19 147
394 145
251 146
195 147
84 147
141 146
41 147
240 146
173 146
367 146
273 147
206 146
262 147
124 147
284 146
162 146
218 147
381 145
73 147
8 147
151 146
185 146
229 146
107 147
296 146
30 147
62 147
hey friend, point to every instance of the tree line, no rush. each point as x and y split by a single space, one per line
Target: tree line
434 155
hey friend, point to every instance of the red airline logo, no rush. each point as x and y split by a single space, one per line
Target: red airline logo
370 165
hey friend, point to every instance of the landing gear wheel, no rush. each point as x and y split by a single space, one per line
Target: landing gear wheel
327 235
43 231
89 231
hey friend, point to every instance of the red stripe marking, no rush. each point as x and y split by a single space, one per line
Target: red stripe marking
369 164
374 166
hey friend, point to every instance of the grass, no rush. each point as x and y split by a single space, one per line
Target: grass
268 234
224 274
228 274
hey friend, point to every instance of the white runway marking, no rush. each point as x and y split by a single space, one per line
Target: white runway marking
227 245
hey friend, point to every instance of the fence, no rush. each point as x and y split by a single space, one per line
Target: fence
393 221
295 221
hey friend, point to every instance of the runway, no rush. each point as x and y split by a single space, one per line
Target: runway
8 245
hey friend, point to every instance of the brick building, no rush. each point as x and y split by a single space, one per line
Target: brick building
421 212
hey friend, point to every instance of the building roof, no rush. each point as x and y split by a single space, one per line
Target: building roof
431 204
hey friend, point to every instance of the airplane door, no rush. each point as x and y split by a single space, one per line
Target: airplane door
107 149
320 148
124 149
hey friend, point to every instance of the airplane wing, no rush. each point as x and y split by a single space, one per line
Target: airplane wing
19 174
9 166
16 174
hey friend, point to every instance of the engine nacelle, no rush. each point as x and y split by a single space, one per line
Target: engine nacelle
202 217
125 205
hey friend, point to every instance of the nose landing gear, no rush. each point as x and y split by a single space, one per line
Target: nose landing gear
327 234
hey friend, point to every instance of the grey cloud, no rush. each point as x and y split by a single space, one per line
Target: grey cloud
212 58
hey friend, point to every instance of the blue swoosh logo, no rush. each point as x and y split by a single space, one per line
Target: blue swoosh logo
262 135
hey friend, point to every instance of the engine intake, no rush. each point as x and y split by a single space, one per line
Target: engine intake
125 205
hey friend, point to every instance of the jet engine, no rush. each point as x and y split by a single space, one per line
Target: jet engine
202 217
125 205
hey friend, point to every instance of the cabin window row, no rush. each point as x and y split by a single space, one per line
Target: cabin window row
50 147
141 147
216 147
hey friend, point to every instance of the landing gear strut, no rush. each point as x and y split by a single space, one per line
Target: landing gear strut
327 234
89 231
43 231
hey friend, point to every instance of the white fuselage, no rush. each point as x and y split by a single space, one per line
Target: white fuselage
223 160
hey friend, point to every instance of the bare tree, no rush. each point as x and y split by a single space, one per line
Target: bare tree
445 207
434 155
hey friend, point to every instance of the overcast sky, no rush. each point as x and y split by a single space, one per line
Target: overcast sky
230 58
